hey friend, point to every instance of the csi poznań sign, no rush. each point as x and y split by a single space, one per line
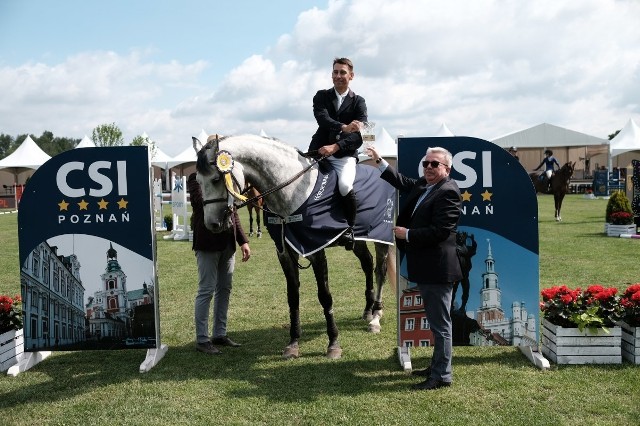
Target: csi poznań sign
87 258
497 304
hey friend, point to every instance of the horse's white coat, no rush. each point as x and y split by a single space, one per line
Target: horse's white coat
267 163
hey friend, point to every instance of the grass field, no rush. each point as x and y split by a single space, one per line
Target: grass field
253 385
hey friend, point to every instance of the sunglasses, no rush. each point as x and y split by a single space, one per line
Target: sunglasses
432 163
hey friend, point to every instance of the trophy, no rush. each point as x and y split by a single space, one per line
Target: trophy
368 138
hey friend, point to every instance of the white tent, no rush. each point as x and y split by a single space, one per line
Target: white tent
189 154
627 140
28 156
86 143
160 159
567 145
444 131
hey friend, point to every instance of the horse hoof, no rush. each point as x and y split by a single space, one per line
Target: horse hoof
259 234
374 325
251 234
378 313
367 316
291 352
334 352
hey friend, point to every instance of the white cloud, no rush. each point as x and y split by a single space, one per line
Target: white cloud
486 68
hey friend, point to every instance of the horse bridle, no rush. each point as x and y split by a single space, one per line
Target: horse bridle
231 194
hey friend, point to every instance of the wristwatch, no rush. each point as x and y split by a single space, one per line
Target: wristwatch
378 160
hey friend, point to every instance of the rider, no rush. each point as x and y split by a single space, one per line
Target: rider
340 113
548 161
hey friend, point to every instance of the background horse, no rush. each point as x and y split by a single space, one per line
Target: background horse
559 185
271 163
254 207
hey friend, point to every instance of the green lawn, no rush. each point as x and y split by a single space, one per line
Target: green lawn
253 385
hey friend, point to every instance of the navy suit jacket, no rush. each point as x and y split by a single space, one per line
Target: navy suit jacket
330 121
431 250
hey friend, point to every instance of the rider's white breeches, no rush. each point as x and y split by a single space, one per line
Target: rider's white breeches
346 170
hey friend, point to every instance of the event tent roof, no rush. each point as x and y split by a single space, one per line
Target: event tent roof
27 156
444 131
189 154
86 143
627 140
547 136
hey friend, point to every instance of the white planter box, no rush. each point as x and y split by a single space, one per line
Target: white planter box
11 348
630 343
616 230
572 346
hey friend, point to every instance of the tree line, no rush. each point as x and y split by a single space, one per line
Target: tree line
102 135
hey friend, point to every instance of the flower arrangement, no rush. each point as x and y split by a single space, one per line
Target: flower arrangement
630 302
621 218
619 209
595 308
10 313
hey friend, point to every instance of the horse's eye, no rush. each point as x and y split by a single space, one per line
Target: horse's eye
216 178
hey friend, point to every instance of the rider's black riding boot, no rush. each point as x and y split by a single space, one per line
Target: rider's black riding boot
350 205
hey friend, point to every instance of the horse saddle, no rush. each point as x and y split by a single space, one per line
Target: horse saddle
320 220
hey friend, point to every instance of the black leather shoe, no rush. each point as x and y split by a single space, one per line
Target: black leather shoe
430 384
225 341
422 373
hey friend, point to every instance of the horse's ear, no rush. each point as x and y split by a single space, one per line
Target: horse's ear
197 145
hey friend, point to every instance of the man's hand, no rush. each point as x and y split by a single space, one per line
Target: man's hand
400 232
328 150
246 252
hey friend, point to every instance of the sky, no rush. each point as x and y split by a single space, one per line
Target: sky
171 69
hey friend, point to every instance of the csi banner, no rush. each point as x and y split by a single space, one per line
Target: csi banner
496 303
87 257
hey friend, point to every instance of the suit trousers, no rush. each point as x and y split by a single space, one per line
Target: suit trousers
215 273
437 305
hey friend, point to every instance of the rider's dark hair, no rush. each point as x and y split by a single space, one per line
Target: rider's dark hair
549 152
344 61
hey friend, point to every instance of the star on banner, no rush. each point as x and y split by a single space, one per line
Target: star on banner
63 205
83 205
103 204
486 195
466 196
122 203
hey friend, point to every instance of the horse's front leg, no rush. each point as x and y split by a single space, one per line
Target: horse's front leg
558 203
382 255
288 261
321 271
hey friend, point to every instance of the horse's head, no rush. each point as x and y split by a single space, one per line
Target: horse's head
218 178
567 169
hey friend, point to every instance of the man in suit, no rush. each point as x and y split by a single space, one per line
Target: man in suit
340 113
426 232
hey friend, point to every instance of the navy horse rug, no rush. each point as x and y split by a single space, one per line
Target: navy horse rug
321 220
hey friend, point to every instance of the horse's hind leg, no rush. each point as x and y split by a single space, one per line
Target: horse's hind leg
288 261
363 254
382 253
250 210
321 271
259 231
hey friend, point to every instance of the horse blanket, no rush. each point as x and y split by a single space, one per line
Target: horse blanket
320 220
